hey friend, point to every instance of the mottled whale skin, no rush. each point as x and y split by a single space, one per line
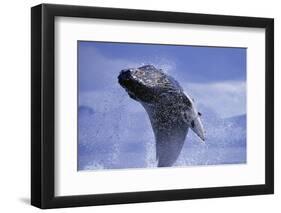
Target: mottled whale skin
171 111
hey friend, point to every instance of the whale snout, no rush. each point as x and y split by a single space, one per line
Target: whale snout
124 76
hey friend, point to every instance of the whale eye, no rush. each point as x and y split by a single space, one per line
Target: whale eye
199 113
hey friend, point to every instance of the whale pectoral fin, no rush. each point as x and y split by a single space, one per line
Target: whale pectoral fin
169 145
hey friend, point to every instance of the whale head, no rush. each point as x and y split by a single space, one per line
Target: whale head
146 83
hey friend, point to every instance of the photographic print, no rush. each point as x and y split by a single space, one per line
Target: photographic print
156 105
126 95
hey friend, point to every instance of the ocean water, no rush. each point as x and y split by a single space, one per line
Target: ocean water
114 132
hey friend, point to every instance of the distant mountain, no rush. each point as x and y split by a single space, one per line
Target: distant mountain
226 141
226 132
237 121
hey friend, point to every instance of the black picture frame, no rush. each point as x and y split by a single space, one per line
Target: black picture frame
43 111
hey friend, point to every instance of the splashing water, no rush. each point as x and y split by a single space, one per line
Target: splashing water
118 134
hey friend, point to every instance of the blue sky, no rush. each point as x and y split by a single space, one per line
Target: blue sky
214 77
205 72
193 63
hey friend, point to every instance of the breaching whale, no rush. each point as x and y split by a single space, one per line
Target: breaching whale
171 111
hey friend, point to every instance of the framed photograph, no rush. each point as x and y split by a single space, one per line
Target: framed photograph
139 106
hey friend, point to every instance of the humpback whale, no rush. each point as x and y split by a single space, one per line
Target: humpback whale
171 111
